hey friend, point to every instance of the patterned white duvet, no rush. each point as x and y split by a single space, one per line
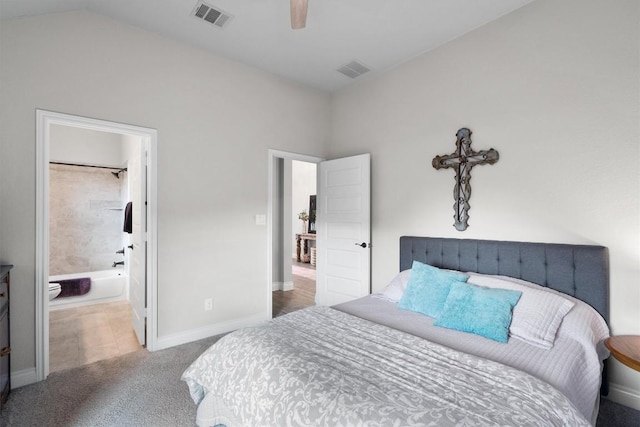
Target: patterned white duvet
323 367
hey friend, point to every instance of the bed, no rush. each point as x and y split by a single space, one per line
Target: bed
378 360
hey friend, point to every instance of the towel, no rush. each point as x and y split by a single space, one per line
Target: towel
127 219
74 287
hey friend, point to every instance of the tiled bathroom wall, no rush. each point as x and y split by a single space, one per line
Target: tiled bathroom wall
85 219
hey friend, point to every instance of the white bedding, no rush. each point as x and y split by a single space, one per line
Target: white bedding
258 374
322 367
573 365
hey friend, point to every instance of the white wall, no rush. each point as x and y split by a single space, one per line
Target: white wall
85 146
132 148
303 183
74 250
281 225
554 88
215 118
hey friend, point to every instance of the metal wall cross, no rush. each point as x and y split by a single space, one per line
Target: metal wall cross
462 160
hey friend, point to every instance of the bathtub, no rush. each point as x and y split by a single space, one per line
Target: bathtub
106 286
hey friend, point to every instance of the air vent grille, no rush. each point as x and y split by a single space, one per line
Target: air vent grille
353 69
211 14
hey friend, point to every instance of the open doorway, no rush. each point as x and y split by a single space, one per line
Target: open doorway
343 227
298 289
109 169
293 257
93 176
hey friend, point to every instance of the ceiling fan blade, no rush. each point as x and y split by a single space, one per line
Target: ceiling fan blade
298 14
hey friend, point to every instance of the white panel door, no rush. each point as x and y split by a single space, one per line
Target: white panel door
137 174
343 264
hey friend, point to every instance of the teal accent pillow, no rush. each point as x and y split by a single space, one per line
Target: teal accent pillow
427 289
481 311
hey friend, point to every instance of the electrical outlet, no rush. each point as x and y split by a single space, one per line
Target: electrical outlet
208 304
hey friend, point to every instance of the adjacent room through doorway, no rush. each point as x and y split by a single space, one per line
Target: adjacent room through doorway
95 241
90 182
294 255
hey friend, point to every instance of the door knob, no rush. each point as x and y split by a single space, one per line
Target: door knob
362 245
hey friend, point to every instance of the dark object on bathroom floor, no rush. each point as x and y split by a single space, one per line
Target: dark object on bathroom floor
74 287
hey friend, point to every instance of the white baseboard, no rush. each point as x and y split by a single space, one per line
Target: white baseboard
209 331
281 286
24 377
624 396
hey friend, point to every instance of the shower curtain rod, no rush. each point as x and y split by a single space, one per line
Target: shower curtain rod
87 166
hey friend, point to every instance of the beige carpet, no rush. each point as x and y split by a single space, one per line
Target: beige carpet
144 389
137 389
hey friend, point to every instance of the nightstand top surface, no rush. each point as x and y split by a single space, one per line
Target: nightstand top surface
625 348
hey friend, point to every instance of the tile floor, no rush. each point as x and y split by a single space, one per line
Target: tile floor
83 335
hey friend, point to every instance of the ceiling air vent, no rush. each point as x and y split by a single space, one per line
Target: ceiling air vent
211 14
353 69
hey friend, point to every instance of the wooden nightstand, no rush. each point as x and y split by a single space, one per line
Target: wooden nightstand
625 348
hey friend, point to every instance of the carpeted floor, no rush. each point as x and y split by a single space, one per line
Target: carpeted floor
144 389
137 389
614 415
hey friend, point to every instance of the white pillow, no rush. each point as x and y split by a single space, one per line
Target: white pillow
537 315
395 289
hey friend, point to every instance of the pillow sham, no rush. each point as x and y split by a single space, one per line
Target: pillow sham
539 312
427 288
481 311
395 289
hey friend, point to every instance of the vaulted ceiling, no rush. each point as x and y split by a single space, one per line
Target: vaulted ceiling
374 34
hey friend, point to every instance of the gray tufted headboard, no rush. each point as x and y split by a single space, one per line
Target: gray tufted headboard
578 270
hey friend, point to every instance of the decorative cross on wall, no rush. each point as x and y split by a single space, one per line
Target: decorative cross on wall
462 160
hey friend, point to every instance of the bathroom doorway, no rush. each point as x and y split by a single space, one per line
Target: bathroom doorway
96 217
91 179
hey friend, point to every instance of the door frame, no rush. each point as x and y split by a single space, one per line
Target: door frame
272 156
149 137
